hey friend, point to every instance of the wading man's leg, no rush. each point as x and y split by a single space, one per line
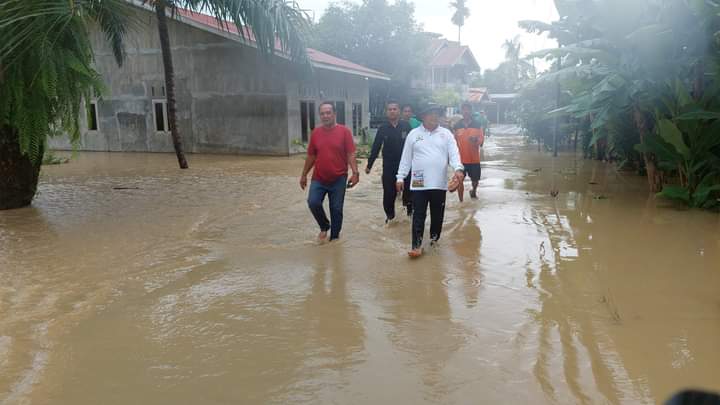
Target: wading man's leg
337 201
437 213
389 193
474 171
420 203
316 196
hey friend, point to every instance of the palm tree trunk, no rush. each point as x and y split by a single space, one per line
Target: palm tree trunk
18 174
160 8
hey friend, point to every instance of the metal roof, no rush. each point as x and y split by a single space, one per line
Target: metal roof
229 30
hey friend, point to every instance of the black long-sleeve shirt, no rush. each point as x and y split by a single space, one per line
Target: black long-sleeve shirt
391 140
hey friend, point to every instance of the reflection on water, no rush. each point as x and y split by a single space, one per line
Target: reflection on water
129 281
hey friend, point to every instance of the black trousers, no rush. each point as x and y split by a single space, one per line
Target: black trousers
389 178
421 200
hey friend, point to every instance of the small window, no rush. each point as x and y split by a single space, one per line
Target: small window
340 111
160 109
92 118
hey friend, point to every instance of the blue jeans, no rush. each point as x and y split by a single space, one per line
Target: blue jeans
336 193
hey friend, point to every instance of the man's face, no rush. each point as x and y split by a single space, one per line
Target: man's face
467 112
393 112
431 120
407 113
327 115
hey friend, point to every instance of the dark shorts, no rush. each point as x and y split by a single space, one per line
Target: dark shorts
472 170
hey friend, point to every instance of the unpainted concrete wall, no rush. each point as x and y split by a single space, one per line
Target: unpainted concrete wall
230 99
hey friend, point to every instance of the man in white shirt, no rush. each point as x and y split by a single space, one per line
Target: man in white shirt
429 149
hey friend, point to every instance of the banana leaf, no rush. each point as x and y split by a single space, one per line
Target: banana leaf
672 135
675 193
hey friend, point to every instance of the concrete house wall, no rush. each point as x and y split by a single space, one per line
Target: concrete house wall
230 98
331 86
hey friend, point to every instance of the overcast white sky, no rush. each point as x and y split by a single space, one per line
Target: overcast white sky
491 22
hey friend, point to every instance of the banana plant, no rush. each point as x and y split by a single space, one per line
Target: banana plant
618 69
688 143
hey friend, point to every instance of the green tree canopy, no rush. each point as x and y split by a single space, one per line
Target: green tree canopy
379 35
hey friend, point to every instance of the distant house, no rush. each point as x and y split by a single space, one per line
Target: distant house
449 67
496 106
230 98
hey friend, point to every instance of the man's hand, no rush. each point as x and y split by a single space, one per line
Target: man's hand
303 182
355 179
459 176
367 170
399 186
456 181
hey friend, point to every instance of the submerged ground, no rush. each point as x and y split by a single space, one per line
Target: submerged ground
130 281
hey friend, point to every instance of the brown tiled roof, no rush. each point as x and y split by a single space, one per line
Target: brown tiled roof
317 58
449 56
446 53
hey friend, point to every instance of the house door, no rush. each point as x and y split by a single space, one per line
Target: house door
340 112
307 118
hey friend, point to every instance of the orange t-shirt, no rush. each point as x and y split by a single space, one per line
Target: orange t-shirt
469 140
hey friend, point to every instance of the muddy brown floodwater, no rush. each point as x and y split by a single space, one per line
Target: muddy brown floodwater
205 287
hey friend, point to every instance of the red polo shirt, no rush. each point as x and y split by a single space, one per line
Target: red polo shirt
331 148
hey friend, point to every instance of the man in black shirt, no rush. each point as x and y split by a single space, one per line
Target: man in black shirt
390 138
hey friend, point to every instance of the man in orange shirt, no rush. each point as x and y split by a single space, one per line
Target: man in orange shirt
470 137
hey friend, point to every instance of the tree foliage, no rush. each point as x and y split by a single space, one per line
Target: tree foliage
646 81
46 64
461 13
511 74
379 35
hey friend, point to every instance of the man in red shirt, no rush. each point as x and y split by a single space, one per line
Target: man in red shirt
330 151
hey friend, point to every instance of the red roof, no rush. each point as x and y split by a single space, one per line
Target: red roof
318 58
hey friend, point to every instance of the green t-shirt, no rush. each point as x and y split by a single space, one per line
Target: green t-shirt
414 122
482 120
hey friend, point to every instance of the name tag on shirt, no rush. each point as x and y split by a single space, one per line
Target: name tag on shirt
418 178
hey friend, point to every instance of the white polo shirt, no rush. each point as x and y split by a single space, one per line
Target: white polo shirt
429 153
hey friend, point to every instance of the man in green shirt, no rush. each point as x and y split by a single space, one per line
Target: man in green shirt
407 115
484 123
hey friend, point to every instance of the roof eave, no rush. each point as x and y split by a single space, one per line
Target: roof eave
325 66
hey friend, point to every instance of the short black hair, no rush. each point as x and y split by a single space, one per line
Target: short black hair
466 104
407 106
390 102
330 103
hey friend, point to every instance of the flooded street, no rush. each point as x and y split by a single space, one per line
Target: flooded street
131 282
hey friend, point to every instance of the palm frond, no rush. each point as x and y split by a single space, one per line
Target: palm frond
47 63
